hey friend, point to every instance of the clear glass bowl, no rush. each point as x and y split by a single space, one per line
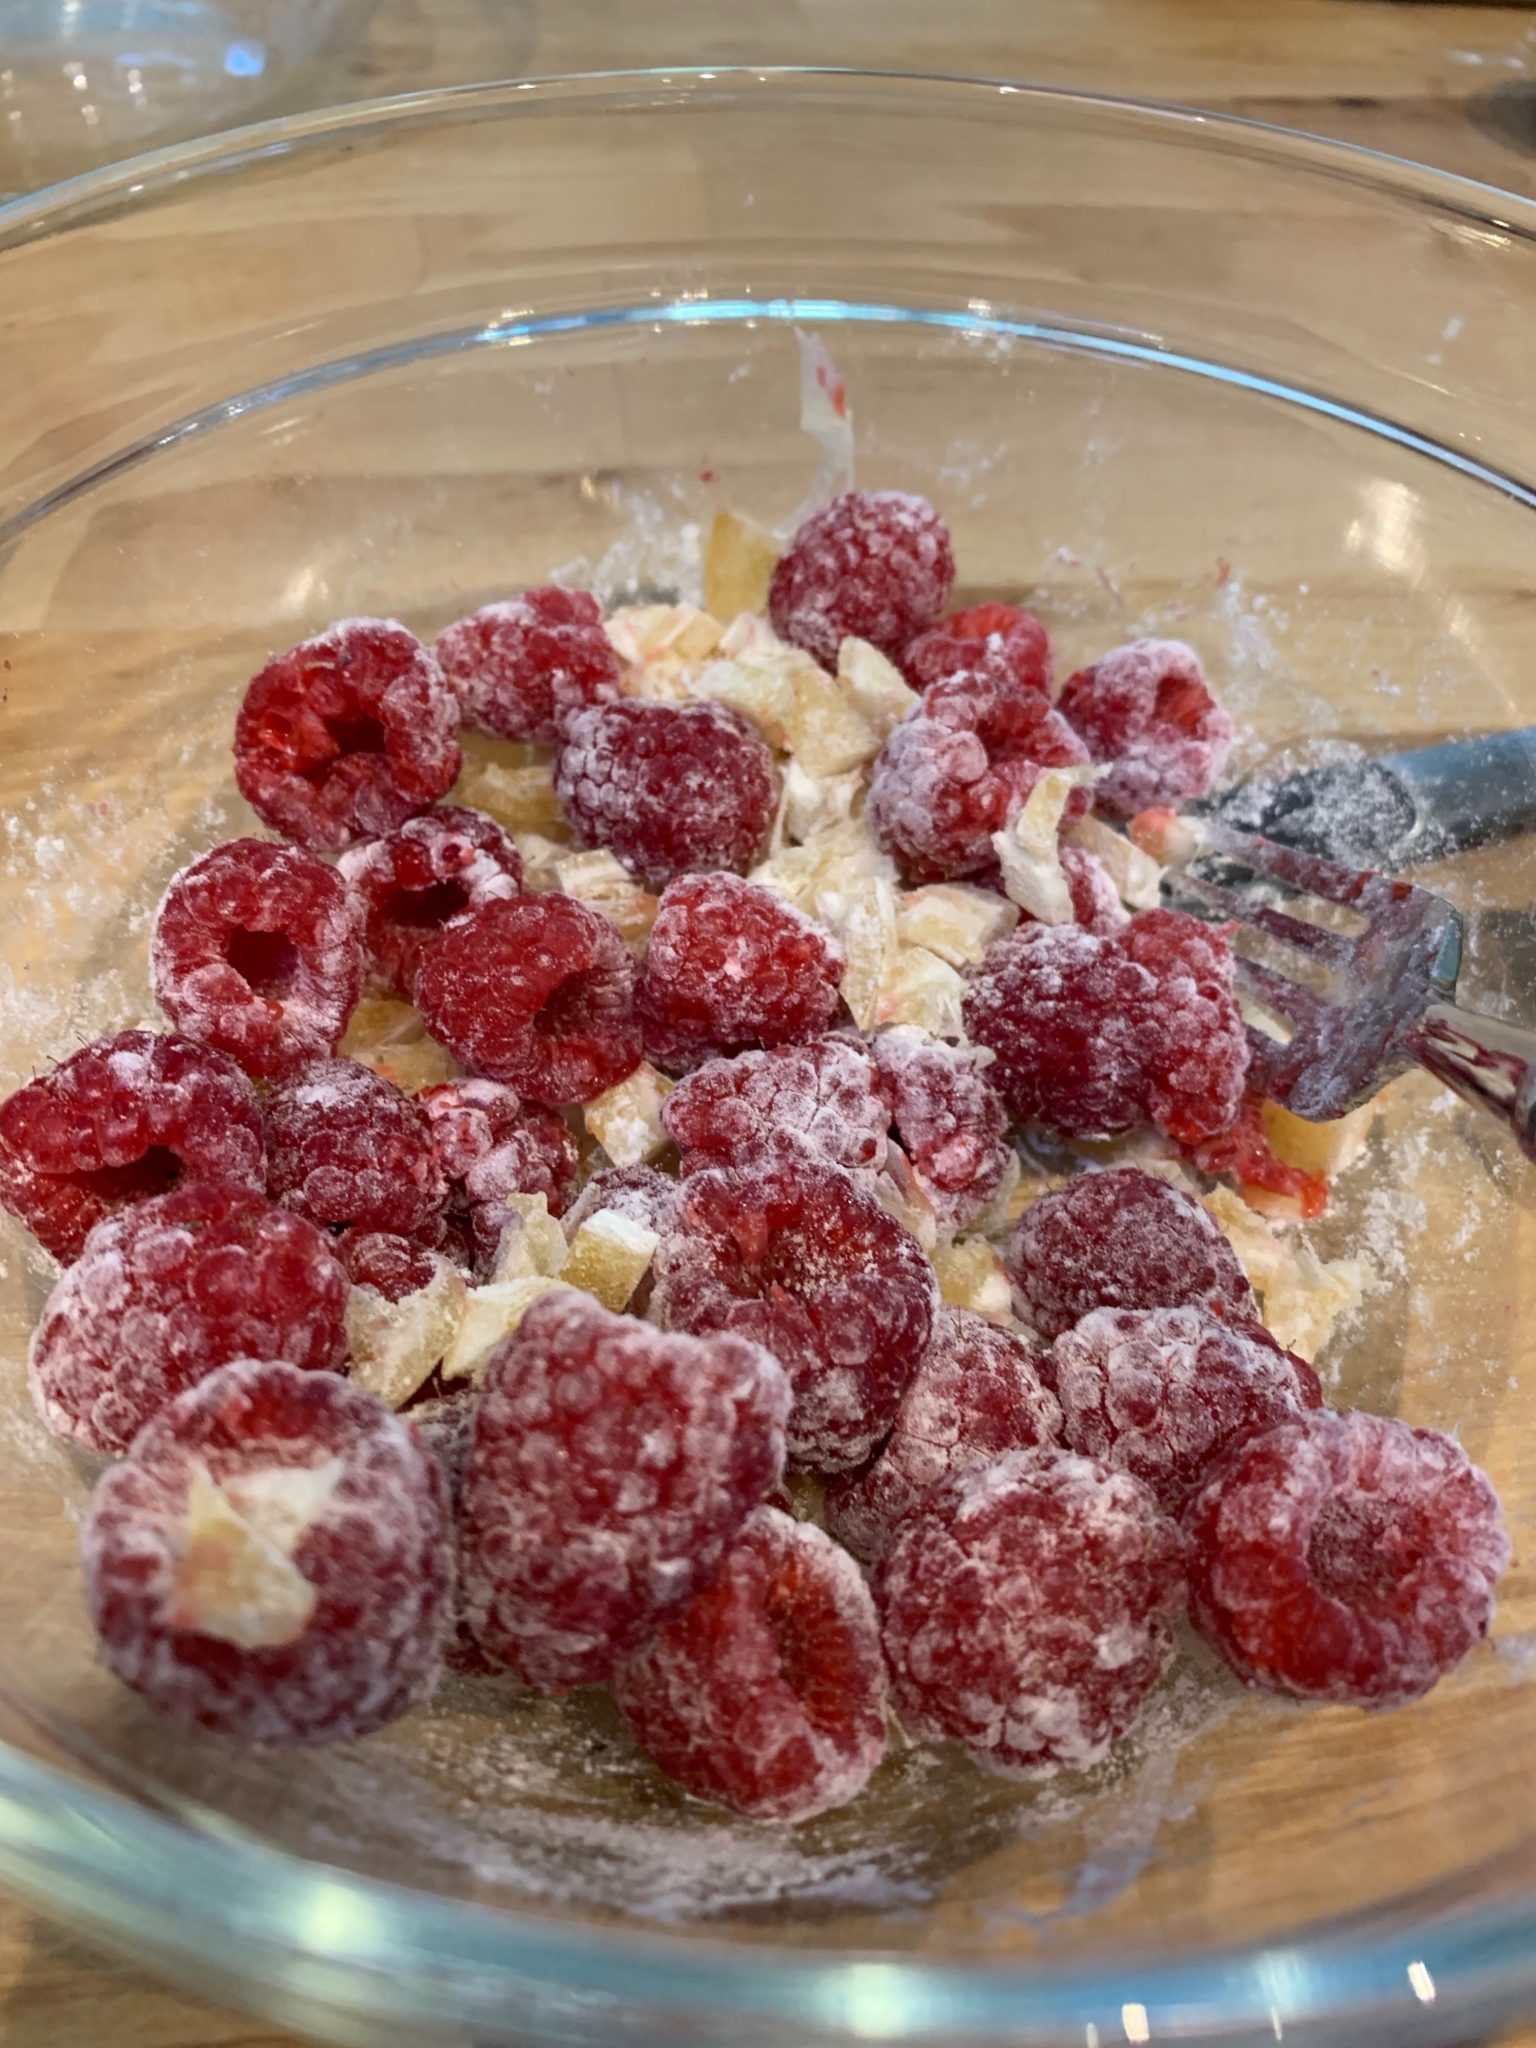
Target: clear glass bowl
1161 371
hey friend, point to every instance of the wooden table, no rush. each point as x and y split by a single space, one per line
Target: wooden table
1454 86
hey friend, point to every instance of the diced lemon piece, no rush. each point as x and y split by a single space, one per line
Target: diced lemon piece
811 804
233 1580
760 687
395 1344
519 799
533 1244
739 560
601 881
956 920
877 687
827 733
920 988
491 1313
626 1119
1135 874
1325 1148
972 1276
389 1036
1029 850
609 1257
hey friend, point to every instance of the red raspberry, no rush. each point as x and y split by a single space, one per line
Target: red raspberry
347 734
995 640
669 788
126 1117
612 1469
258 950
949 1119
874 564
960 767
818 1100
730 966
347 1147
171 1288
391 1265
492 1147
538 993
1025 1608
1096 904
638 1192
1346 1558
345 1517
977 1393
1097 1035
424 878
446 1427
1146 710
799 1257
767 1695
1122 1239
518 667
1243 1154
1163 1392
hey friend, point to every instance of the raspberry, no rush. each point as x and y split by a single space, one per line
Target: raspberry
818 1100
258 950
950 1120
167 1290
446 1427
998 641
346 1147
518 667
730 967
612 1469
424 878
1346 1558
492 1147
669 788
799 1257
1025 1608
125 1117
960 767
538 993
1096 904
1244 1154
346 735
874 564
1096 1035
1122 1239
393 1266
767 1695
1146 710
273 1560
977 1393
1163 1392
639 1193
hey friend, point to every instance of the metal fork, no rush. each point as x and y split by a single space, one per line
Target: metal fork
1388 997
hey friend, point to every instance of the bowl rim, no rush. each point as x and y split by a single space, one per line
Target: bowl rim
143 1879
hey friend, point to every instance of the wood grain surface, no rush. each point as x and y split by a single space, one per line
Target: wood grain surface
1454 86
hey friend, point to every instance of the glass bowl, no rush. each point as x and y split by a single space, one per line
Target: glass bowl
1161 372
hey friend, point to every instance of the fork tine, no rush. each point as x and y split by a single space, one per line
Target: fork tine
1308 872
1333 947
1277 992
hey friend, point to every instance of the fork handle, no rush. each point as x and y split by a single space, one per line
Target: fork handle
1486 1061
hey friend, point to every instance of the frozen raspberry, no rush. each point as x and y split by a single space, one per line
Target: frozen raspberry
874 564
639 1193
446 1427
996 640
1096 904
767 1695
1146 710
977 1393
167 1290
538 993
1163 1392
492 1147
730 966
612 1468
518 667
818 1100
427 876
347 1148
1345 1557
391 1265
1122 1239
273 1560
1025 1608
346 735
258 950
1097 1035
960 767
125 1117
1243 1154
669 788
949 1119
799 1257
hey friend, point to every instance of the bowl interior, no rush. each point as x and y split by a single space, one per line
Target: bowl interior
1348 583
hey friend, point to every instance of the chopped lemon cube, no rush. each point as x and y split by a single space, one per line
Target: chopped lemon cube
533 1244
601 881
972 1276
739 560
956 920
610 1255
877 687
626 1119
389 1036
920 988
827 733
491 1313
395 1344
760 687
